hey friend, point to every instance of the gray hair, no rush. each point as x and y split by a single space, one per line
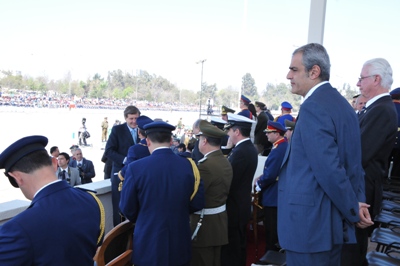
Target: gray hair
315 54
381 67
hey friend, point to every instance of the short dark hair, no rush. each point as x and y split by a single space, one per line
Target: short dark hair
66 156
32 162
142 132
53 149
190 146
131 110
182 146
215 142
244 131
159 137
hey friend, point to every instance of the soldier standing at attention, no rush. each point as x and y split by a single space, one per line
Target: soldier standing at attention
216 174
104 130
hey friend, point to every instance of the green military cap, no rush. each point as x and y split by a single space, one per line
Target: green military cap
289 124
207 129
225 110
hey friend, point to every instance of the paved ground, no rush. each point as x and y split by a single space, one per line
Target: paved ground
61 126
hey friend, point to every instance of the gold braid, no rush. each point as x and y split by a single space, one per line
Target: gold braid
102 217
196 174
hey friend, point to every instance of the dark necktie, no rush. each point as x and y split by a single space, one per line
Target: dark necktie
363 110
63 175
79 165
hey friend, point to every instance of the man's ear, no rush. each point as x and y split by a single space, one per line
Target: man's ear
315 72
17 176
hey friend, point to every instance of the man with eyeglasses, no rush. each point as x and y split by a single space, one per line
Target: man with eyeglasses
378 128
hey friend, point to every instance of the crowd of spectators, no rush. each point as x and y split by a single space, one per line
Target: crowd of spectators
29 99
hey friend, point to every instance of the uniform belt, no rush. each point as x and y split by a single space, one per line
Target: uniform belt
210 211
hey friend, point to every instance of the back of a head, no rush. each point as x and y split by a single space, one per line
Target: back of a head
32 162
131 110
315 54
381 67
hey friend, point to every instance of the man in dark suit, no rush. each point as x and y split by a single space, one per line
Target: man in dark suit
216 174
321 181
121 138
62 226
243 159
261 142
395 155
85 166
378 126
159 199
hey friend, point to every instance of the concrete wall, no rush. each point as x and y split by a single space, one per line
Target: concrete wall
103 188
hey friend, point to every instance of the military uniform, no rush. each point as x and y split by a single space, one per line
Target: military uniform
269 185
156 196
62 226
216 174
243 159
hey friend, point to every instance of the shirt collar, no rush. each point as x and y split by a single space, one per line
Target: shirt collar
377 97
243 140
314 88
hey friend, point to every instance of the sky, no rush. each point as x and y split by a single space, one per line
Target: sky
168 37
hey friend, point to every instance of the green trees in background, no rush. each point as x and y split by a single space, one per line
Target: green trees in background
154 88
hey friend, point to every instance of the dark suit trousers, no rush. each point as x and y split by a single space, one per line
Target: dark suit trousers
234 253
327 258
115 197
271 228
355 254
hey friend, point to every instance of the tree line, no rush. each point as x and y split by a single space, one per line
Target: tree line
154 88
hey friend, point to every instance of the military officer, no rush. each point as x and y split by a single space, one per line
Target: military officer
243 159
159 199
267 183
47 233
286 109
216 173
224 112
244 106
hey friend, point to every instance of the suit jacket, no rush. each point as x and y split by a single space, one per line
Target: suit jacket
269 180
243 159
156 195
87 167
118 144
321 180
216 173
259 134
74 178
378 127
60 227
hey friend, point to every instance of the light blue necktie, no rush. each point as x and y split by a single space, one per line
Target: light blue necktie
134 135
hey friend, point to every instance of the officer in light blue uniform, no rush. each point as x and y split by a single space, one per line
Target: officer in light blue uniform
159 198
62 226
268 182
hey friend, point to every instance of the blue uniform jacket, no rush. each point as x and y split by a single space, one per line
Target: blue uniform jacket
60 227
268 181
322 179
156 195
136 152
281 119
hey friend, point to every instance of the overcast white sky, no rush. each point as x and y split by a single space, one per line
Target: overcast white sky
168 37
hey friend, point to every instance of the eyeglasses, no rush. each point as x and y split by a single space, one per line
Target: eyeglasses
361 78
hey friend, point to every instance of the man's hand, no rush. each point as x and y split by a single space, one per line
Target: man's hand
365 217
